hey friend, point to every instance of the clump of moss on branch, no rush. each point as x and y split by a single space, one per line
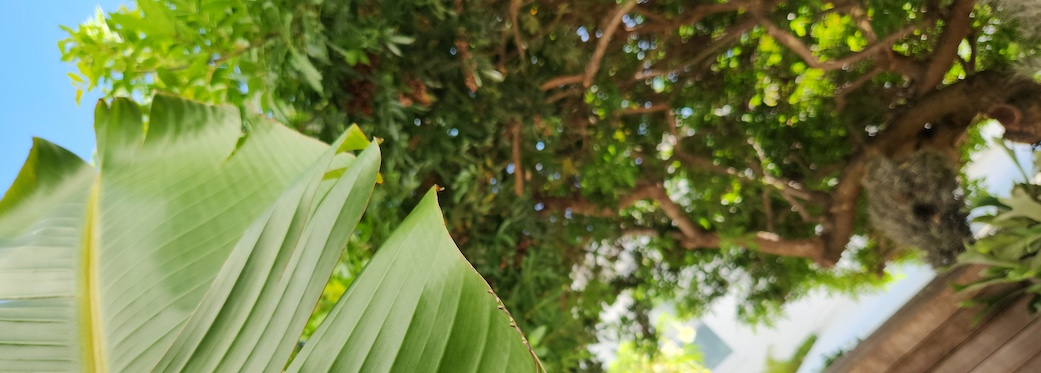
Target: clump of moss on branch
917 201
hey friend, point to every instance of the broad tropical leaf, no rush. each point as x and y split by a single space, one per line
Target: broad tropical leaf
40 228
418 306
103 267
113 269
251 319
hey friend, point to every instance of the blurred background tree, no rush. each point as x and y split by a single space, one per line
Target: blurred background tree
792 364
673 354
672 151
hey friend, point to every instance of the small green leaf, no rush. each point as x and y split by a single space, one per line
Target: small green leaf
535 337
393 49
354 139
352 56
975 257
168 78
493 75
309 72
401 39
75 78
1022 204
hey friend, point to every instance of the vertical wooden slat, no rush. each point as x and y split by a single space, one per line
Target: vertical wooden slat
946 338
1015 353
987 339
922 315
1032 366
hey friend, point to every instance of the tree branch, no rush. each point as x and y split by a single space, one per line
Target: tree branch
966 99
770 243
654 17
841 211
563 94
675 212
609 27
559 81
645 109
785 186
860 18
640 231
796 46
466 63
601 46
689 234
515 6
518 177
768 210
798 207
958 26
841 93
733 33
582 206
694 16
670 120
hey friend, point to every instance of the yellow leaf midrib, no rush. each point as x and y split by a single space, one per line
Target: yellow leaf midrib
89 302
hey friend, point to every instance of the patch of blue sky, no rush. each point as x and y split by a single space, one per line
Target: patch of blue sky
37 99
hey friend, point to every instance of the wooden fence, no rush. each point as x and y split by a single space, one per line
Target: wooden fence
932 333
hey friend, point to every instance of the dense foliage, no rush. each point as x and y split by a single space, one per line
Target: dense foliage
667 150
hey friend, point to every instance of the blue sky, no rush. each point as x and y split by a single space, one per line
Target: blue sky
38 99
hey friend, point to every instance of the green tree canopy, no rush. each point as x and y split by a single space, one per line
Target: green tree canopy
672 150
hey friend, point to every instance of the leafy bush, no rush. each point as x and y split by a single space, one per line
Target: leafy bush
1010 251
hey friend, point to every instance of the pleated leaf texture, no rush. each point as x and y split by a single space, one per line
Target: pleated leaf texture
194 246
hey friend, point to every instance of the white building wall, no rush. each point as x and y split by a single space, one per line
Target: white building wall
836 320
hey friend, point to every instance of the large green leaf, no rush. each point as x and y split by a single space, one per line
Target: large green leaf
418 306
113 269
252 317
40 225
102 268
